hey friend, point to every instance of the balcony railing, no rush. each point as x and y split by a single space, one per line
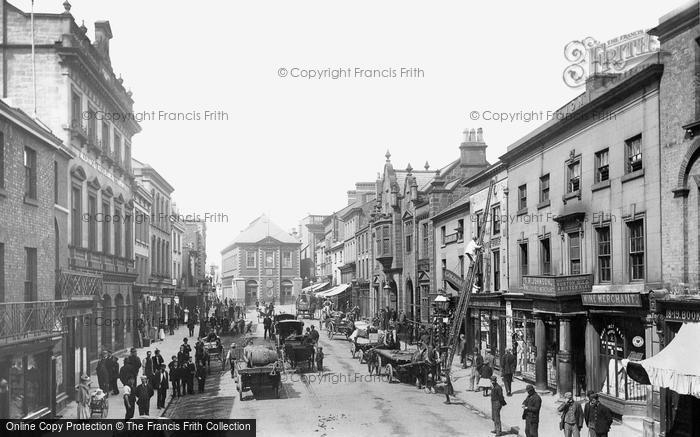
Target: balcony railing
22 321
78 130
81 257
73 284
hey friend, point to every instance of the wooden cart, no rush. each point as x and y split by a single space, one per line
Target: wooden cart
256 377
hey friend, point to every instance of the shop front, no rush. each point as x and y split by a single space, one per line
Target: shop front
675 369
615 331
557 323
486 330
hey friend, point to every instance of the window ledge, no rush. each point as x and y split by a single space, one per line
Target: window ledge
544 204
521 211
600 185
573 195
633 175
31 202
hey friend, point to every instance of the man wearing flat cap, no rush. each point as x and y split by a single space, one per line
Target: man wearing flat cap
571 416
531 411
598 417
497 402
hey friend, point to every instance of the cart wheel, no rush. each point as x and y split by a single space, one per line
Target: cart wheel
352 350
360 355
389 373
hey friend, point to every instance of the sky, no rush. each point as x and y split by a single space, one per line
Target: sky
288 146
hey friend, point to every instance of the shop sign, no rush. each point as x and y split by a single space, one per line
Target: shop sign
612 299
682 315
637 341
555 286
453 279
486 303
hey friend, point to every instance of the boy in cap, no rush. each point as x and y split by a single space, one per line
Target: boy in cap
319 359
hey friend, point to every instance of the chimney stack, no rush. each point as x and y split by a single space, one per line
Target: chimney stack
103 33
473 152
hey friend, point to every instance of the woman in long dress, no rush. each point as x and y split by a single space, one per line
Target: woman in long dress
83 397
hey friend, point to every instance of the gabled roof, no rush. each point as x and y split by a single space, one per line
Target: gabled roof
260 229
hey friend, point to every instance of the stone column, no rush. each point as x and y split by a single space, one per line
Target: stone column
564 366
541 358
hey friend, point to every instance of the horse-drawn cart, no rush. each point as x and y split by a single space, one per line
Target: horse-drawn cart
403 366
339 324
250 375
306 306
293 346
214 350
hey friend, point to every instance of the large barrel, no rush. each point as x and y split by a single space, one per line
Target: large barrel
260 355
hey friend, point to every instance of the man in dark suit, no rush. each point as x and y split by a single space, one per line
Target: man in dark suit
598 417
144 393
103 367
531 411
175 376
190 370
161 384
497 402
267 324
113 373
507 370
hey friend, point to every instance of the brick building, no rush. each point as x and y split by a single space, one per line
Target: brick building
678 302
77 85
262 263
33 201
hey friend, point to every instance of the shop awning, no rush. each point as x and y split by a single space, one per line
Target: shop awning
677 366
314 287
334 291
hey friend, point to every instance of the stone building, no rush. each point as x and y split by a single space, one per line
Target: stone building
76 85
33 202
584 199
262 263
154 299
194 260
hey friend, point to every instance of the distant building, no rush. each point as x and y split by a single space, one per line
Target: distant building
262 263
194 261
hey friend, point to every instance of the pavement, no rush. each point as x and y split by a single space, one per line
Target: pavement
168 347
511 414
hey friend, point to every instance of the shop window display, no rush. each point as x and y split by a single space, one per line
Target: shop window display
613 349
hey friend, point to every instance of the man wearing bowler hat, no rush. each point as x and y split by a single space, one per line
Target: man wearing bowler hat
531 411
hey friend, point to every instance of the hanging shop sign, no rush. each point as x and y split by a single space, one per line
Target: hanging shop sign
682 315
612 299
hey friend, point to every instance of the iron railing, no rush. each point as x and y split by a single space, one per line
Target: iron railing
20 321
73 283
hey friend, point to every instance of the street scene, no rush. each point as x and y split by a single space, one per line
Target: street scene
308 218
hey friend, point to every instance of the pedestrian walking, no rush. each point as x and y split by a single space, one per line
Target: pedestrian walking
129 403
201 378
531 411
314 334
598 417
161 384
267 324
319 359
134 364
174 369
190 325
103 372
463 351
477 362
161 331
497 402
182 373
148 369
158 359
190 373
231 358
171 326
486 372
113 372
126 375
144 393
507 370
83 397
571 416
